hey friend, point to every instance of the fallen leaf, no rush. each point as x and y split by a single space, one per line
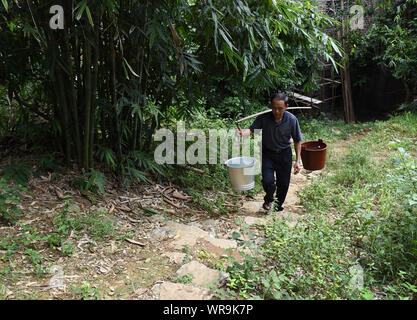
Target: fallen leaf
172 203
178 195
135 242
124 208
133 220
41 189
111 209
59 194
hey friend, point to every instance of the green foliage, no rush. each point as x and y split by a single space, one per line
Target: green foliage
328 130
63 224
97 225
391 41
85 291
185 279
18 172
166 60
91 181
107 156
47 163
364 211
9 198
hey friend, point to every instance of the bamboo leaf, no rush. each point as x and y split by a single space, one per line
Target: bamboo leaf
214 16
246 65
130 68
90 18
83 5
226 39
5 4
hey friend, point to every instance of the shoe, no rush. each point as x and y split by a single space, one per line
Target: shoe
267 206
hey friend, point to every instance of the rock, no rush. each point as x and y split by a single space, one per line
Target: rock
219 252
252 206
202 275
185 235
253 220
163 233
220 243
178 291
175 257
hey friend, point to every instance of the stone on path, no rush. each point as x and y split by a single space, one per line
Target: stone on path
201 274
185 235
178 291
175 257
254 220
220 243
252 206
219 252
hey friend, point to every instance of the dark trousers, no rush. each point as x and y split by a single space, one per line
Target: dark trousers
278 164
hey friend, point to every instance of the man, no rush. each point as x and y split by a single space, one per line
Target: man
277 127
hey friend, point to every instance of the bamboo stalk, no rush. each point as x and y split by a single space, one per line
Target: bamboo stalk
87 85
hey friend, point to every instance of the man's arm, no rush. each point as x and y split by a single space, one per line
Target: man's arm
297 164
297 147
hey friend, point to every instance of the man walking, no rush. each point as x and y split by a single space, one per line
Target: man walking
277 127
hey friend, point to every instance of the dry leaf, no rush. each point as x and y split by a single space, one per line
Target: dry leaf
172 203
111 209
59 194
124 208
135 242
178 195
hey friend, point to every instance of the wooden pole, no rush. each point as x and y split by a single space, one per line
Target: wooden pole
266 111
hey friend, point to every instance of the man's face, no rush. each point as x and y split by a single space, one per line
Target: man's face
278 108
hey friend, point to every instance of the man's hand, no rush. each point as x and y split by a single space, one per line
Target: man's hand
239 132
297 167
243 132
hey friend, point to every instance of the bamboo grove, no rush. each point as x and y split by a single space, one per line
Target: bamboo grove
99 88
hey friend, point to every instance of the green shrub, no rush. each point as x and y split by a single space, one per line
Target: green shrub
9 198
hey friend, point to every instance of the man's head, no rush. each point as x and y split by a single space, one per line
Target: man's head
278 103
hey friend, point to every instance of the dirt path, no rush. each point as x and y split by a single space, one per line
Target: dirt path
163 256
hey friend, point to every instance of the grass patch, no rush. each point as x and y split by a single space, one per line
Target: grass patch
363 212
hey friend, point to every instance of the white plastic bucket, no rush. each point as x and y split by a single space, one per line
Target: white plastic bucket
241 173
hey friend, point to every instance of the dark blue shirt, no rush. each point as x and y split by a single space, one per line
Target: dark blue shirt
277 135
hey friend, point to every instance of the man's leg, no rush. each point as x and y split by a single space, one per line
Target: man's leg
268 179
283 174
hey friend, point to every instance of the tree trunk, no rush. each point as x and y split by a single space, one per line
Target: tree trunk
346 80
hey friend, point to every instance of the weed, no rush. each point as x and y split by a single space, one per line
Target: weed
364 212
185 279
18 172
85 292
91 181
9 198
187 250
97 225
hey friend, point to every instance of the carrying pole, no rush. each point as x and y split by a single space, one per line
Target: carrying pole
269 110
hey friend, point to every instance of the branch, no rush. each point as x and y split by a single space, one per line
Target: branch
32 107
